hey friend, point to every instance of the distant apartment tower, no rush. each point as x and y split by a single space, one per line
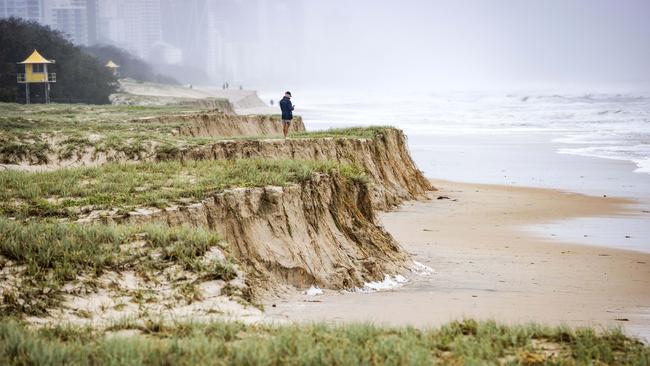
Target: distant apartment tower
31 10
131 24
77 19
187 24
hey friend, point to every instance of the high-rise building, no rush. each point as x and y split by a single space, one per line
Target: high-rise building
131 24
31 10
74 18
91 20
70 17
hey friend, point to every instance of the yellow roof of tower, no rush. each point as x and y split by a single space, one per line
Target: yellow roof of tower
36 58
112 64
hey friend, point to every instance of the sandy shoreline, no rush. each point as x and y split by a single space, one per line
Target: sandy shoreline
487 267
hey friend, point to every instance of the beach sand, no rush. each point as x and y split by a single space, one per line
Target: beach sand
487 266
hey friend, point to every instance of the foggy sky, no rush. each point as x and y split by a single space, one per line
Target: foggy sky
469 44
423 44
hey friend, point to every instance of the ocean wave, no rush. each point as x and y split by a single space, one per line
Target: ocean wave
637 154
591 120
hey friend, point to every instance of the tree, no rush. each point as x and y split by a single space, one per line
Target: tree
130 66
80 77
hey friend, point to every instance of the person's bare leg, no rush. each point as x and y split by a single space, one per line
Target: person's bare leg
285 129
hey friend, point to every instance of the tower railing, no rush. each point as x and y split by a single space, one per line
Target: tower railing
21 78
51 77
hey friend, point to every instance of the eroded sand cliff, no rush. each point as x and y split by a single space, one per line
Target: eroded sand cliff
318 231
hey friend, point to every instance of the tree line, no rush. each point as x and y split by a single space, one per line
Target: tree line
82 76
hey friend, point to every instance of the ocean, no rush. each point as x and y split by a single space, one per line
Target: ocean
609 126
592 143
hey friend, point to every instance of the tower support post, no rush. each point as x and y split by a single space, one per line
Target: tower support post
47 93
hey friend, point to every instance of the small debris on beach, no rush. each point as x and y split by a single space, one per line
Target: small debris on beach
443 197
622 319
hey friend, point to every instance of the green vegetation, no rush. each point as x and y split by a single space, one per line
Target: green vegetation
458 343
51 254
33 133
352 132
38 134
81 77
74 192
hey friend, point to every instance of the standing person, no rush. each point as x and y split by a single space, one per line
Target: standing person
287 112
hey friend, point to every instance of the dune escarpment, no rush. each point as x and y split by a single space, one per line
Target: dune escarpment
393 175
321 232
223 125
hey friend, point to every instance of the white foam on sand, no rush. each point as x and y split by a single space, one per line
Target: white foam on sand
314 291
643 165
389 282
421 269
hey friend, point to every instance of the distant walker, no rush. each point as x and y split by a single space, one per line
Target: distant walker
287 112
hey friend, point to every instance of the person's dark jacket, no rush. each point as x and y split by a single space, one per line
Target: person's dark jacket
287 109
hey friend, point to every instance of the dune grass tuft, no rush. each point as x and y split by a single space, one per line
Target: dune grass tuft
350 132
70 192
220 343
54 253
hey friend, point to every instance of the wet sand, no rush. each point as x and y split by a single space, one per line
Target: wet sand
488 267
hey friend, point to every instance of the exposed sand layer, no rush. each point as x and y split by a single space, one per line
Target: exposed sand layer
486 267
386 159
321 233
222 125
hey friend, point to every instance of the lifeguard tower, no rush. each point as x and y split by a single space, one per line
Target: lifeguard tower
113 67
36 73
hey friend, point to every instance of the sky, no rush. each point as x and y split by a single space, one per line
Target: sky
472 44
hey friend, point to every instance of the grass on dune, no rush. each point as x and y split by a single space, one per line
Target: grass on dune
350 132
54 253
69 192
458 343
27 133
39 134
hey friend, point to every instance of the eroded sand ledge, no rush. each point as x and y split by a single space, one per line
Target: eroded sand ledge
320 233
488 268
393 175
